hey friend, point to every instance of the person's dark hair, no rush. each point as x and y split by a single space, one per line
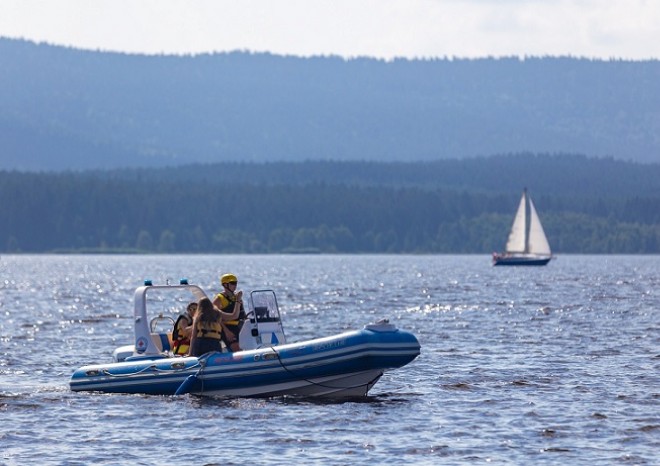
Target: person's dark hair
206 310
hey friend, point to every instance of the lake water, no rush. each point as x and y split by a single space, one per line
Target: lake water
551 365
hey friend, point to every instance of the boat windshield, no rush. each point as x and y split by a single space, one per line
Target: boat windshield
264 306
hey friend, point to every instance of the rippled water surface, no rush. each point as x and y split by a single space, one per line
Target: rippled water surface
550 365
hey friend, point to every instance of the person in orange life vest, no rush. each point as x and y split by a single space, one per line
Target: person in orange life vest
230 301
206 329
182 330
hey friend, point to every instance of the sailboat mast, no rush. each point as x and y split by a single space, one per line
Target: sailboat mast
527 220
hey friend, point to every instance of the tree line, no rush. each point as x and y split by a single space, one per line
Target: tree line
87 212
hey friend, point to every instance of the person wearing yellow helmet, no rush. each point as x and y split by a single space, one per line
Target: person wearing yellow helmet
230 302
228 278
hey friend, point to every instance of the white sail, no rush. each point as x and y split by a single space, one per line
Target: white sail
527 243
537 241
516 242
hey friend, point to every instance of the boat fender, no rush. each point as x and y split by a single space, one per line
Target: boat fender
187 385
190 383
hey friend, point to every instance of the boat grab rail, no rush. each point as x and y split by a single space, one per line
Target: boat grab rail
153 324
180 367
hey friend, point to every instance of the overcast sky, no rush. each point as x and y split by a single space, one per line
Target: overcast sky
628 29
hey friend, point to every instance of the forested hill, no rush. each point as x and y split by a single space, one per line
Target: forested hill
63 108
555 175
586 206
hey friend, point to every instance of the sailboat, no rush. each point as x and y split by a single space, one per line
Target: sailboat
527 243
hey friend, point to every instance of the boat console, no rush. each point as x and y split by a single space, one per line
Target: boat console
153 332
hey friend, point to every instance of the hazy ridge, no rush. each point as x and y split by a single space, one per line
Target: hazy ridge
63 108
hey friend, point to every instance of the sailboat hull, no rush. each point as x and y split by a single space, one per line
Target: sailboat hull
520 260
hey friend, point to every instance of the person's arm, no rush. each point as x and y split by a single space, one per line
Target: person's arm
186 331
217 302
193 334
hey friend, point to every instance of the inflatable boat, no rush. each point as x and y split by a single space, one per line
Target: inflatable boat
344 365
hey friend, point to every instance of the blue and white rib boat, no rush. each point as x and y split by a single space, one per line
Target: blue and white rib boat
343 365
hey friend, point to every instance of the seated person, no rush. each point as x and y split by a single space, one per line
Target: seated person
182 330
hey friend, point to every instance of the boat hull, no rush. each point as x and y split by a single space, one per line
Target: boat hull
347 364
521 260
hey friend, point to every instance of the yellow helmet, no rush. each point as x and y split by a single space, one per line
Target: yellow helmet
228 277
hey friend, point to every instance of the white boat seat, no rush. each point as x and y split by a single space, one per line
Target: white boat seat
163 341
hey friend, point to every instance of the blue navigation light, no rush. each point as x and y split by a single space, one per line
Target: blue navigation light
148 283
183 281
